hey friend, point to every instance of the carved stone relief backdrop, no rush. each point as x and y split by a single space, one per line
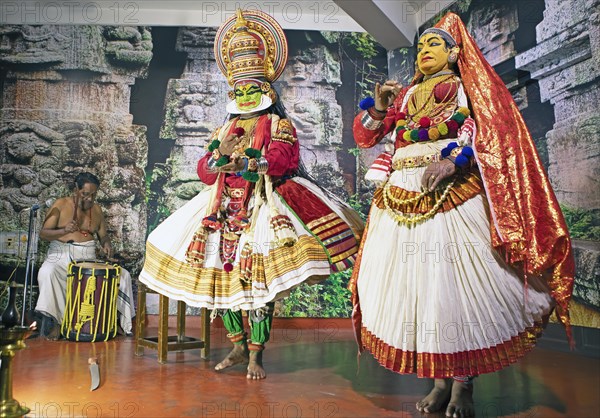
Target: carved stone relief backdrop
71 94
566 63
65 109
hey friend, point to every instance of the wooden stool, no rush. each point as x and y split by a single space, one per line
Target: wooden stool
163 342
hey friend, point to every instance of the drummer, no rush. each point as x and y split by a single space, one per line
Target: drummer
71 226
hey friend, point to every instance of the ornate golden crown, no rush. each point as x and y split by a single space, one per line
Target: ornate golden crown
250 45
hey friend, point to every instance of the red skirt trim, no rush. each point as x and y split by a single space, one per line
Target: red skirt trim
466 363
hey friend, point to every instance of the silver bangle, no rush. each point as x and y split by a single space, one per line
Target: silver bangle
212 164
369 123
262 165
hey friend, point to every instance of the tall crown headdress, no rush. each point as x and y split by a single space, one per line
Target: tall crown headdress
251 45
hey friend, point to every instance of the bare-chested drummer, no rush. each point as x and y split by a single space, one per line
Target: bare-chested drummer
72 225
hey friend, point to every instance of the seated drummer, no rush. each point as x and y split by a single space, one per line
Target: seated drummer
71 225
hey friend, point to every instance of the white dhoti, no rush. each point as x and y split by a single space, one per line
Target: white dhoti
52 281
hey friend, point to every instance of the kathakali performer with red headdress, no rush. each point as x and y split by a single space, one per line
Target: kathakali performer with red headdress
466 251
258 230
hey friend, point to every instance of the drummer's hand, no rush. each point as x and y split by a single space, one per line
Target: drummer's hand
107 249
71 227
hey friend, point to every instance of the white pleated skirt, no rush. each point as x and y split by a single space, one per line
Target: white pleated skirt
275 269
436 299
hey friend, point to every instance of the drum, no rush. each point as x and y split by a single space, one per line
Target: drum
91 306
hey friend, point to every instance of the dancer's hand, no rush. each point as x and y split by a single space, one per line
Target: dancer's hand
235 165
385 94
229 143
436 172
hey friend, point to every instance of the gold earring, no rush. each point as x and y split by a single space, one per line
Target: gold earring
272 95
265 87
453 57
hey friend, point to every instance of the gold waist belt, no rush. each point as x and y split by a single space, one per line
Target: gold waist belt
234 192
416 161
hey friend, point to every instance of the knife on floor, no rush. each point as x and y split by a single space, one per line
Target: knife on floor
94 373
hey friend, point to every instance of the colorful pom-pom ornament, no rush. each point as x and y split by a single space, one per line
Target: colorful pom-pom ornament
239 131
464 111
434 134
427 132
222 161
467 152
228 267
253 153
459 118
250 176
461 160
425 122
214 145
452 125
366 103
443 128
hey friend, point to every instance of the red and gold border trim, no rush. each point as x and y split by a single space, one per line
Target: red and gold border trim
464 189
465 363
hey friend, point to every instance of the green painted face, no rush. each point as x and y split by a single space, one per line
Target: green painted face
432 54
248 96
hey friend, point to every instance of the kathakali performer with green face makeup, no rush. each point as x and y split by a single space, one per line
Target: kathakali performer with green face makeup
258 230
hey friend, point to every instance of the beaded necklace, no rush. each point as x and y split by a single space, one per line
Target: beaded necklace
428 121
249 126
422 102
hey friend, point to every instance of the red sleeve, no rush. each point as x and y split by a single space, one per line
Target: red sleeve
366 138
206 176
282 158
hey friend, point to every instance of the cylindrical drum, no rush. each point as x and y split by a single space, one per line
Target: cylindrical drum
91 306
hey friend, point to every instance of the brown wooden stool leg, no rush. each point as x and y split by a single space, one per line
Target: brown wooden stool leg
205 336
180 321
140 320
163 328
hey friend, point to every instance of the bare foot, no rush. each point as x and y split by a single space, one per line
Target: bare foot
239 355
438 396
54 333
255 367
461 401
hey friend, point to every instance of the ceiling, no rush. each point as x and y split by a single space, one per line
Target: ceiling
392 22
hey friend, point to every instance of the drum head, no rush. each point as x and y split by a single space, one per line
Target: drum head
96 264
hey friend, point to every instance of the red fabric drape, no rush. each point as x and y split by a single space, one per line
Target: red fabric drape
527 223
